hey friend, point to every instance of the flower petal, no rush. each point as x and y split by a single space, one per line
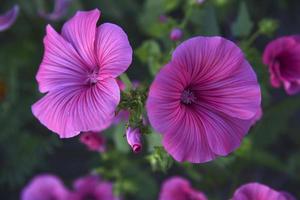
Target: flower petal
45 186
187 141
220 75
69 111
256 191
8 18
163 103
60 8
113 50
80 31
224 133
61 65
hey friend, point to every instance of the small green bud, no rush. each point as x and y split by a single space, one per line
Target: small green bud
268 26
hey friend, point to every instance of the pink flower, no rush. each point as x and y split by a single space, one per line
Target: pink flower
94 141
9 18
259 191
45 187
257 116
177 188
282 58
78 73
92 187
134 139
60 9
204 100
176 34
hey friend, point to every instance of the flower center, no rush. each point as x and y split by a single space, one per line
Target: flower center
188 97
92 77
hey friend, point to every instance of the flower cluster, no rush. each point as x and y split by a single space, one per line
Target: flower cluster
203 101
47 186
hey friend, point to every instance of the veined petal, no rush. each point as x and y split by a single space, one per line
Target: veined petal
114 53
8 18
219 73
187 140
61 65
80 31
224 133
69 111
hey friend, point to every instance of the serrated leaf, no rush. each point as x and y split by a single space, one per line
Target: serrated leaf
243 24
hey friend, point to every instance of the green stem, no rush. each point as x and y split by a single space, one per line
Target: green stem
186 17
126 81
253 37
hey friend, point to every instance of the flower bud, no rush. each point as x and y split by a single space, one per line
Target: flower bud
94 141
176 34
134 138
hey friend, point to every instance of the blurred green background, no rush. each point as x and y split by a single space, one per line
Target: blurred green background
270 154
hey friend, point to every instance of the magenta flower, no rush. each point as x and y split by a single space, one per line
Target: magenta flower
9 18
94 141
134 139
91 187
282 58
204 100
45 187
60 9
176 34
259 191
78 73
177 188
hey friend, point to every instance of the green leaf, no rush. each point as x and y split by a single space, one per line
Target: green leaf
275 121
205 20
243 24
120 139
154 140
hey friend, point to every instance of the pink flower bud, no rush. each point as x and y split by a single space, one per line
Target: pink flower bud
134 139
176 34
94 141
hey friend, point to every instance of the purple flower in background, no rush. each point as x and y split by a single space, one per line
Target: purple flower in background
177 188
94 141
176 34
92 187
45 187
134 139
282 58
8 18
203 102
60 9
259 191
163 18
200 1
78 73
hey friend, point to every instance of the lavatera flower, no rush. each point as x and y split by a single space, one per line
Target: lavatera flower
258 191
204 100
283 60
178 188
78 74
